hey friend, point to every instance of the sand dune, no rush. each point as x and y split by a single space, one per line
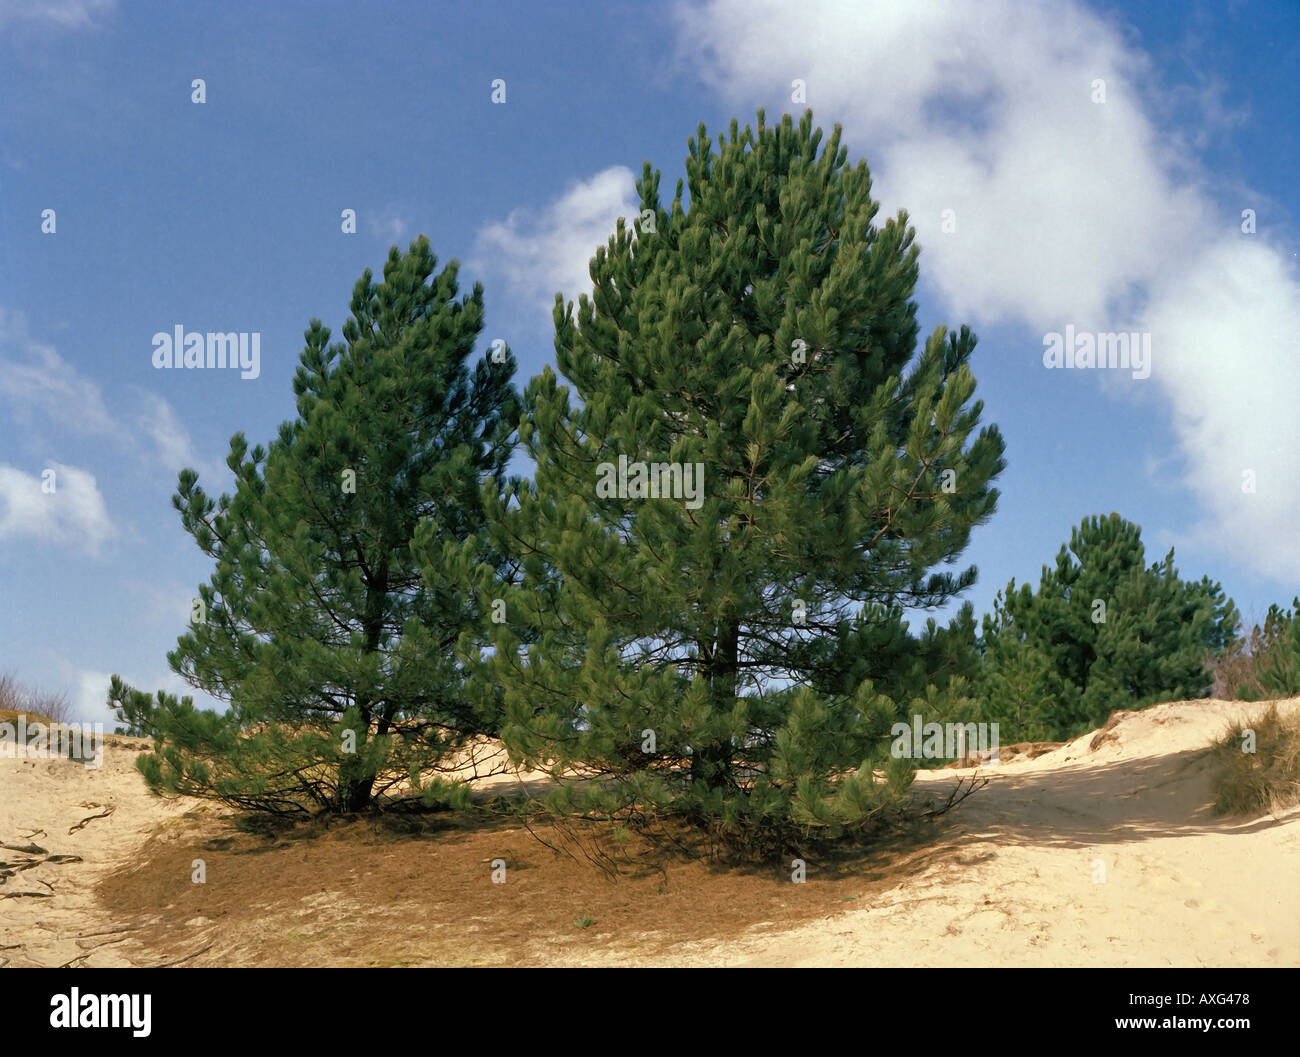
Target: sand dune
1182 887
48 912
1102 852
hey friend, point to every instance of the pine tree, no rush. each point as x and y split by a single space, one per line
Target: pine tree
712 640
1278 658
1112 632
334 651
1016 686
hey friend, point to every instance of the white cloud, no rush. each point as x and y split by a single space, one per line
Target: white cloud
1227 324
58 14
89 699
88 696
1067 211
173 448
73 513
390 226
165 604
34 377
548 251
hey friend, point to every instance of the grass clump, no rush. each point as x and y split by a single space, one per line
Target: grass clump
1258 766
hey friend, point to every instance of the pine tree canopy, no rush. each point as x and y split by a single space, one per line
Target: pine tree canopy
335 653
752 473
1103 632
1277 650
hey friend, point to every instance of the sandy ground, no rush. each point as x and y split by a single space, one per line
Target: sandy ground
1110 856
1103 852
50 864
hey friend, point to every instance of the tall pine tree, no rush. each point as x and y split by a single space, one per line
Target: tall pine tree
335 653
723 536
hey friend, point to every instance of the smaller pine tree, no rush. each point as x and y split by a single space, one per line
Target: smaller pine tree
1106 631
1018 689
320 628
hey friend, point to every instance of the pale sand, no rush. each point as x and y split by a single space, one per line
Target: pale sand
40 801
1181 886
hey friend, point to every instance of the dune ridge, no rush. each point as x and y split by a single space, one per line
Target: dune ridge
1103 851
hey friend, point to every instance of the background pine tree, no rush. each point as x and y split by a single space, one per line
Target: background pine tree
1105 632
735 661
1278 651
1261 662
1016 685
319 626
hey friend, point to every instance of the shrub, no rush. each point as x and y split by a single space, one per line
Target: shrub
37 704
1252 667
1267 779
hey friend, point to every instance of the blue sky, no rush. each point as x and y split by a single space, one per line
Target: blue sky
1121 213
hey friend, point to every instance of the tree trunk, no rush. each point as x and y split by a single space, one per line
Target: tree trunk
356 782
354 792
711 762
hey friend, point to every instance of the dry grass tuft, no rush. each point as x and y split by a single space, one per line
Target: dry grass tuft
1265 779
36 705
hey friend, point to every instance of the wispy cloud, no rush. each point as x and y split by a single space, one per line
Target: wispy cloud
543 252
87 690
173 448
57 14
34 377
89 698
391 225
37 384
61 505
166 604
1066 210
